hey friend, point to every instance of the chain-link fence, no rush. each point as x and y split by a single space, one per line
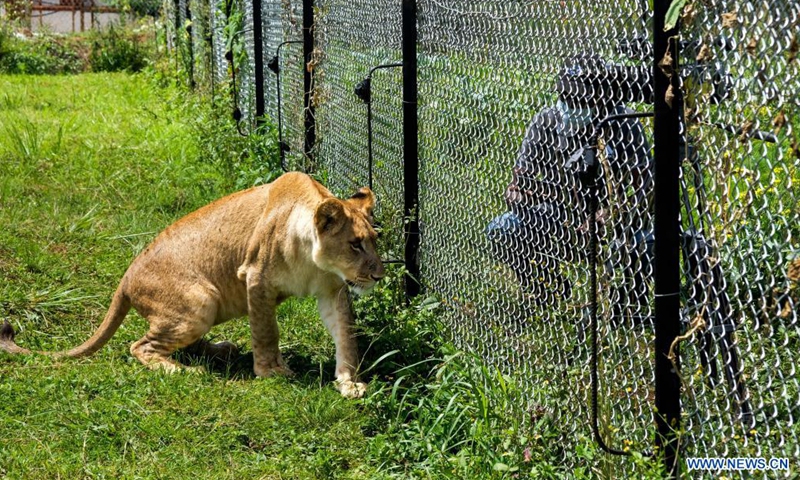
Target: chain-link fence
190 35
536 188
741 228
217 23
506 217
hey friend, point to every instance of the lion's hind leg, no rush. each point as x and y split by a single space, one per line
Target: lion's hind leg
155 356
176 322
155 349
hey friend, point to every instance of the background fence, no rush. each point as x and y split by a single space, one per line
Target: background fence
64 16
536 181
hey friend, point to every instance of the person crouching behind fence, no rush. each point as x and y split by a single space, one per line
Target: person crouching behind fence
546 225
531 237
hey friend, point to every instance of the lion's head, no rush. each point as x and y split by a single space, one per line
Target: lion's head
346 237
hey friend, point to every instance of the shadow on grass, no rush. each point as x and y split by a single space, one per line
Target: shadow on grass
308 371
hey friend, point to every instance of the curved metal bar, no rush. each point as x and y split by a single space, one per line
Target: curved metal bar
287 42
364 91
590 178
768 137
239 129
385 65
275 66
237 113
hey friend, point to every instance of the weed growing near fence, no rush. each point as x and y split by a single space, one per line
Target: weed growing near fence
116 49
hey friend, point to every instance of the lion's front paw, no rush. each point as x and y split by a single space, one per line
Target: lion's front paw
271 367
351 389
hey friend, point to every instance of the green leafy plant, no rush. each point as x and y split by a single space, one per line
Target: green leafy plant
115 50
232 33
38 55
673 14
143 8
244 160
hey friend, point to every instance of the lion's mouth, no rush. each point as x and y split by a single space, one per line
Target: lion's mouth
359 287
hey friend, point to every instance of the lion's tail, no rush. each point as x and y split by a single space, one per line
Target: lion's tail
120 305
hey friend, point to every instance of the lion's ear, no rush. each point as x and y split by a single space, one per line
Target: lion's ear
363 200
329 216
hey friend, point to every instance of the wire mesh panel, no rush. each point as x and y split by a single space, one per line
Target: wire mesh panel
292 67
218 20
272 34
201 40
245 76
353 38
184 54
510 94
168 9
281 33
741 228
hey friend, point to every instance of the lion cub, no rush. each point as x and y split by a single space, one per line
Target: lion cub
245 254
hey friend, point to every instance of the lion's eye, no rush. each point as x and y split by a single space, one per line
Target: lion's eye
357 246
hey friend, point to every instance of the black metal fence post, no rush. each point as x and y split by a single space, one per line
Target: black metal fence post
410 147
190 43
258 54
177 41
667 235
308 83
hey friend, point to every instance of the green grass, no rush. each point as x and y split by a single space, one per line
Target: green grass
93 167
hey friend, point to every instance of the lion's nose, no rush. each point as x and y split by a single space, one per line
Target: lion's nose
376 277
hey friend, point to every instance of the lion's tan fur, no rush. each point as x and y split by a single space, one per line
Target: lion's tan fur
244 254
